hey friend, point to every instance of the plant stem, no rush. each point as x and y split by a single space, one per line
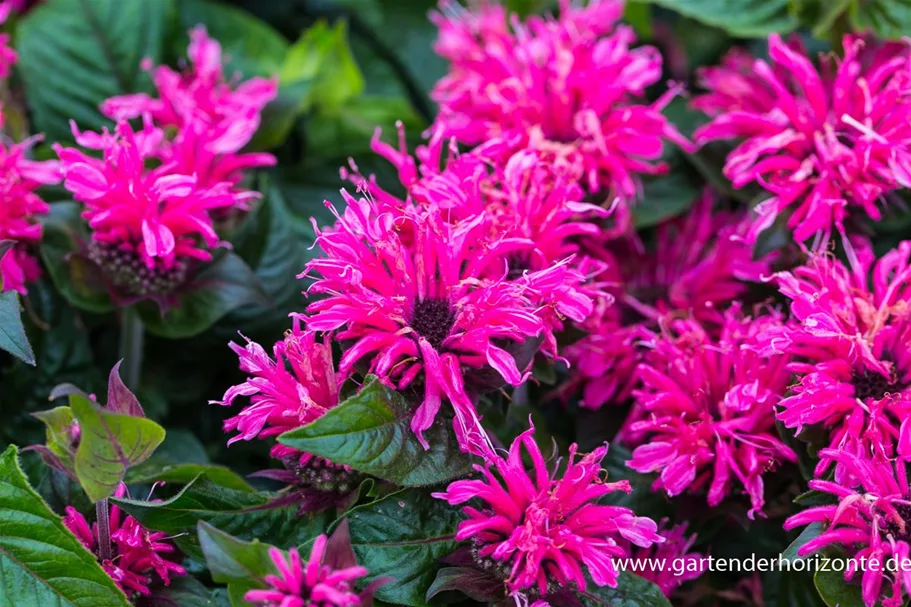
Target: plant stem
102 514
131 340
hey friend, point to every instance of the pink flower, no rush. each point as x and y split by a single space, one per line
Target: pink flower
705 412
293 387
412 296
532 213
824 145
871 521
675 553
851 339
699 265
20 207
541 533
327 579
214 118
8 56
136 552
603 363
571 88
159 218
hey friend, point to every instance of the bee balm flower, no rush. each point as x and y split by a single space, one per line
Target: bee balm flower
823 145
542 533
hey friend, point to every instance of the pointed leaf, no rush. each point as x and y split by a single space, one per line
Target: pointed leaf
240 513
241 565
476 584
403 536
42 563
12 333
120 399
371 432
58 424
110 443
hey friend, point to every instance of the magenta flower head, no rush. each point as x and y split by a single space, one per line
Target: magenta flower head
19 228
539 533
704 415
851 338
870 521
214 118
570 87
825 145
698 266
669 564
327 579
148 225
138 556
287 390
532 212
410 295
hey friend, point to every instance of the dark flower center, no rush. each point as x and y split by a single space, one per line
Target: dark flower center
872 384
432 319
129 273
890 526
326 476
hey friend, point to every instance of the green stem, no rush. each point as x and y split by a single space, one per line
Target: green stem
131 341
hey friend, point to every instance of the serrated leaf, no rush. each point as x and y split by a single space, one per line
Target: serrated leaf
743 18
74 54
225 285
12 333
240 513
371 432
42 563
109 444
403 536
631 591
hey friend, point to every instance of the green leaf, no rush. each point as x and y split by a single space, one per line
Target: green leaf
347 130
58 424
743 18
42 563
810 532
403 536
180 459
75 277
236 563
109 444
74 54
227 284
277 243
12 333
183 591
240 513
631 591
322 57
371 433
886 18
667 196
835 591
